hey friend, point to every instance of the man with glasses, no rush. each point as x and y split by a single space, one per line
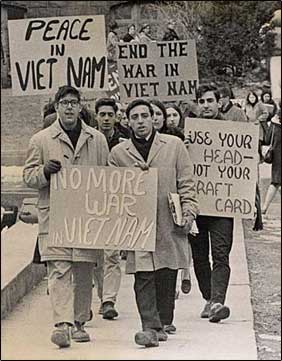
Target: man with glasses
106 110
68 141
216 232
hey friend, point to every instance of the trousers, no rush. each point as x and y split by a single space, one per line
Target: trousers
215 233
155 297
70 290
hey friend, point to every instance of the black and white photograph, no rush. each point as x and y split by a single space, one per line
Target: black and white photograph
141 180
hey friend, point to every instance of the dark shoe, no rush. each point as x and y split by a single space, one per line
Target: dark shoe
78 334
147 338
109 311
186 286
218 312
170 329
61 335
206 311
162 336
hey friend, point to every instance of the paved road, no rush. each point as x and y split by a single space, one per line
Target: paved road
26 331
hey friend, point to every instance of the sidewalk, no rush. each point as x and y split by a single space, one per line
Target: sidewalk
26 331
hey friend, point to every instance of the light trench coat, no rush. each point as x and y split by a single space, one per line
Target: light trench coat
175 174
53 143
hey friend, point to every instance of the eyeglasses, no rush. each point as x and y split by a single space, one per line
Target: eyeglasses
208 100
65 103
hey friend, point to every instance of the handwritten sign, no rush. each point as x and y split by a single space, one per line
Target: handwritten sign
162 70
225 158
50 52
103 207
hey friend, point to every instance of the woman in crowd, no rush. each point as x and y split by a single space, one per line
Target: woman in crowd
131 34
274 136
269 103
175 121
112 40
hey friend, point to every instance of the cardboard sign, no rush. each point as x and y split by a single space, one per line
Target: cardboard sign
47 53
225 158
103 207
162 70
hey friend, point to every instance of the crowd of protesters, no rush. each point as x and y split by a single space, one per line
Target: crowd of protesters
109 133
144 133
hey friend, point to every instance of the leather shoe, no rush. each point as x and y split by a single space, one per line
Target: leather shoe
206 311
78 334
218 312
162 335
186 286
170 329
61 335
109 311
148 338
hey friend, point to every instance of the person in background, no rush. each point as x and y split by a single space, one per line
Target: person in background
274 136
175 121
122 121
214 232
69 269
160 124
170 33
106 110
229 110
155 273
131 34
269 103
144 35
112 40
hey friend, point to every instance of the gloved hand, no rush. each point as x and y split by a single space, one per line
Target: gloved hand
52 166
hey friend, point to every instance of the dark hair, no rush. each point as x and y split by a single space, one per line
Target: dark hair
248 96
202 89
137 102
266 92
65 90
176 107
129 26
144 26
160 105
49 108
113 25
225 92
106 101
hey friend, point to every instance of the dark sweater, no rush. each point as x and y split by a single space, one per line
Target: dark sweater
142 145
73 134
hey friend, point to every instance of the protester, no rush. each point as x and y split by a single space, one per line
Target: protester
156 272
229 110
144 35
160 124
68 141
269 103
274 136
122 121
175 121
170 33
106 109
131 34
214 231
112 40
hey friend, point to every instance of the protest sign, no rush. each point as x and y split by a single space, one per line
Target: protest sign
50 52
225 159
162 70
103 207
